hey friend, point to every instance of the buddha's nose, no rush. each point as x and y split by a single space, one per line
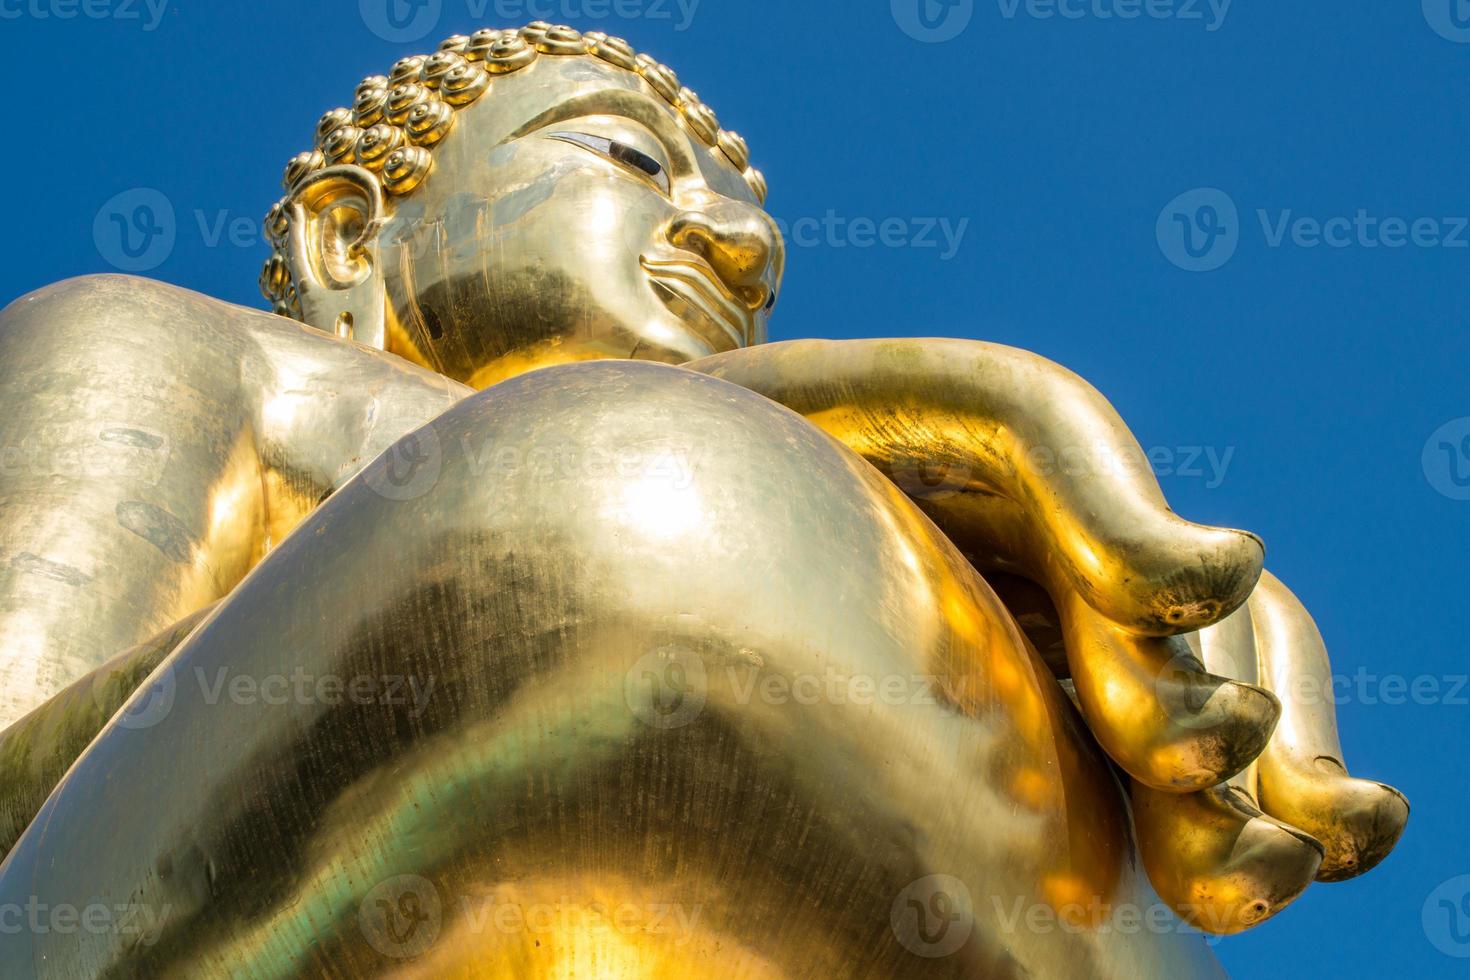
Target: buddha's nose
739 241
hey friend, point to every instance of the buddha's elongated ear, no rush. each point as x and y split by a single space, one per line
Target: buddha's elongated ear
336 215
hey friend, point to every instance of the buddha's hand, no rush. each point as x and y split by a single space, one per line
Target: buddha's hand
1030 470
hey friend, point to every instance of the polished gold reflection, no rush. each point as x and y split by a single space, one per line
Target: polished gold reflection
665 654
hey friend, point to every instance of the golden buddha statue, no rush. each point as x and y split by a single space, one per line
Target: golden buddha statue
509 608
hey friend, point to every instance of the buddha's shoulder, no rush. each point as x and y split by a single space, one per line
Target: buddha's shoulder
99 305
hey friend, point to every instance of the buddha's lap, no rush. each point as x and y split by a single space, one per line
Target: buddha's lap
599 669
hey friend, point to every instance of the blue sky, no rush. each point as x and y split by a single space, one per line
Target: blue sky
1297 363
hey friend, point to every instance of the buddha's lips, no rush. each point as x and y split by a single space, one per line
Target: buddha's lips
698 286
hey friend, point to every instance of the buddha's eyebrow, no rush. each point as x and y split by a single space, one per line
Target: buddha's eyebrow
620 102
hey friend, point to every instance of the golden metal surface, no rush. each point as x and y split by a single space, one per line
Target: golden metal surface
36 751
679 663
1303 779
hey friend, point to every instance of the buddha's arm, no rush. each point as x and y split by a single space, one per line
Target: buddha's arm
947 416
131 491
1027 466
325 408
155 444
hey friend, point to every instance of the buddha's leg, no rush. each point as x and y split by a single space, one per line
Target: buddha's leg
1303 779
130 495
695 693
37 750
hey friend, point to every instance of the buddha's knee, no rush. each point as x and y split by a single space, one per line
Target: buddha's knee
588 527
632 490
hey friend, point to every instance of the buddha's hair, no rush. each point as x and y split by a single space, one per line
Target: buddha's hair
397 119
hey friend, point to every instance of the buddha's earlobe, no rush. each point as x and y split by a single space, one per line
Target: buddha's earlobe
335 217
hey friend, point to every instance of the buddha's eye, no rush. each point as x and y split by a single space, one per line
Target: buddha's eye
622 153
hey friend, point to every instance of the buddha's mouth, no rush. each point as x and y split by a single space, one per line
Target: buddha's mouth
695 294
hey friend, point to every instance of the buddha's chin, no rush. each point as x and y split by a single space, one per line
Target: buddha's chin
699 309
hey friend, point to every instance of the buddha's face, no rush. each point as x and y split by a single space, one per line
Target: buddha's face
572 214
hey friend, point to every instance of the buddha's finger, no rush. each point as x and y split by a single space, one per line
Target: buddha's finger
1228 649
1303 779
1217 860
964 417
1156 710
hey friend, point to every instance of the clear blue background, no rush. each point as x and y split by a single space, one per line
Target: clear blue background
1324 370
